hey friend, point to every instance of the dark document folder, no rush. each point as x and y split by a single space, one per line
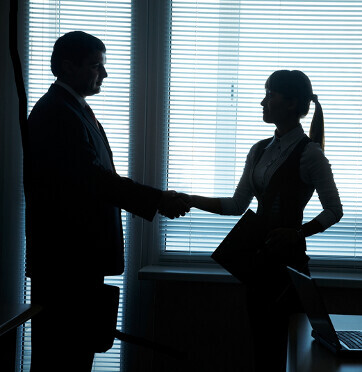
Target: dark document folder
241 252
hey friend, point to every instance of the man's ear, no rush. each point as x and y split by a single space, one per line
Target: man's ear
68 67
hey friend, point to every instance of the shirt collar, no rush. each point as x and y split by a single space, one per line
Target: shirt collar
67 87
288 139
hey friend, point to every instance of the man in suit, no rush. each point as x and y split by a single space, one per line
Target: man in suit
74 199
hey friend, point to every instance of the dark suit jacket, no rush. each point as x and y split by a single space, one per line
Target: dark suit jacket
73 194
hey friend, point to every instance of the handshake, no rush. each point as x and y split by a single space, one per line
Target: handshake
174 204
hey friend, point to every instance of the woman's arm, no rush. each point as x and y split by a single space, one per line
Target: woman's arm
212 205
233 206
317 172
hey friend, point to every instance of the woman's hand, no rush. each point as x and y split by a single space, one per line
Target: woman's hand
173 204
187 199
204 203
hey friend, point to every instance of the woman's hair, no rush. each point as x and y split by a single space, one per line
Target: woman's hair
74 46
296 84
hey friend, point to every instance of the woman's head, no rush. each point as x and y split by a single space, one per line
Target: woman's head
292 85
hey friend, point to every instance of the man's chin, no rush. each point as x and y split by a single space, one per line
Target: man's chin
265 119
94 91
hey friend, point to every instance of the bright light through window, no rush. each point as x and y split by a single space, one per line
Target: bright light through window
221 54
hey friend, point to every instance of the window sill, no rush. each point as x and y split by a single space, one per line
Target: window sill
324 277
186 273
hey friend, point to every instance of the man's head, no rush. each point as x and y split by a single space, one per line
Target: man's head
78 59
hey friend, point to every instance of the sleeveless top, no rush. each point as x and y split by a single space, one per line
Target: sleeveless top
284 190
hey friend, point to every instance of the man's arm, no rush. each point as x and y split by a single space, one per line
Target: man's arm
65 164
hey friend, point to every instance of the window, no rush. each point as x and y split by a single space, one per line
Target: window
220 54
110 21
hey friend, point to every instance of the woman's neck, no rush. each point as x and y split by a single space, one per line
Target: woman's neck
284 128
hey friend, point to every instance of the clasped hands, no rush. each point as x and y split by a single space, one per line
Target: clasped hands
174 204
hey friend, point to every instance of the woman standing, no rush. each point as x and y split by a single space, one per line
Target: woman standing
282 172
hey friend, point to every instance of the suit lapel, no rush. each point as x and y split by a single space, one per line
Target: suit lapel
90 122
100 131
89 117
258 154
105 140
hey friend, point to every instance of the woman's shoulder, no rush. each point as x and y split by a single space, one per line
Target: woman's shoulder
313 149
258 147
261 144
313 156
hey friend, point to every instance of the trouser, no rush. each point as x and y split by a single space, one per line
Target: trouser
58 332
269 305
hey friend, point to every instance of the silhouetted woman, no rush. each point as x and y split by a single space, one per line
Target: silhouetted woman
282 172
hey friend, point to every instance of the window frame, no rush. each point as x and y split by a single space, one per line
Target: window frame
156 149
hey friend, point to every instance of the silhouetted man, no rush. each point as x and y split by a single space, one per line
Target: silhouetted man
73 206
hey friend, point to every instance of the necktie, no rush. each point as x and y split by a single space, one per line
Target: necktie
90 111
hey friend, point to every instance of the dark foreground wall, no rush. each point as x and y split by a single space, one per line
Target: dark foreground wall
208 321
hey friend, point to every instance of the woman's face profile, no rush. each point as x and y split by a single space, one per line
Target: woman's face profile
275 107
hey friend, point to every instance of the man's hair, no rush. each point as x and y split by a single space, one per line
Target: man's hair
74 46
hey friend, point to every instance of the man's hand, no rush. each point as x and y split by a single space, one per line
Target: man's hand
174 204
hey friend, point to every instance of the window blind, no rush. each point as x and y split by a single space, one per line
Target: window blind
220 54
109 20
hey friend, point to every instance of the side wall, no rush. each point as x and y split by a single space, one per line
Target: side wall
11 188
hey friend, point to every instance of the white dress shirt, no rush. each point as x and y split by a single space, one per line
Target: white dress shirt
315 172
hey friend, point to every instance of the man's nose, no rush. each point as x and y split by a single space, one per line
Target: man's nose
104 73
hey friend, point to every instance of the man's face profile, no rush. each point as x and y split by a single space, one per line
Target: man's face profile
86 79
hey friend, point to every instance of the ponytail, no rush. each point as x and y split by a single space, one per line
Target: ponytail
316 132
